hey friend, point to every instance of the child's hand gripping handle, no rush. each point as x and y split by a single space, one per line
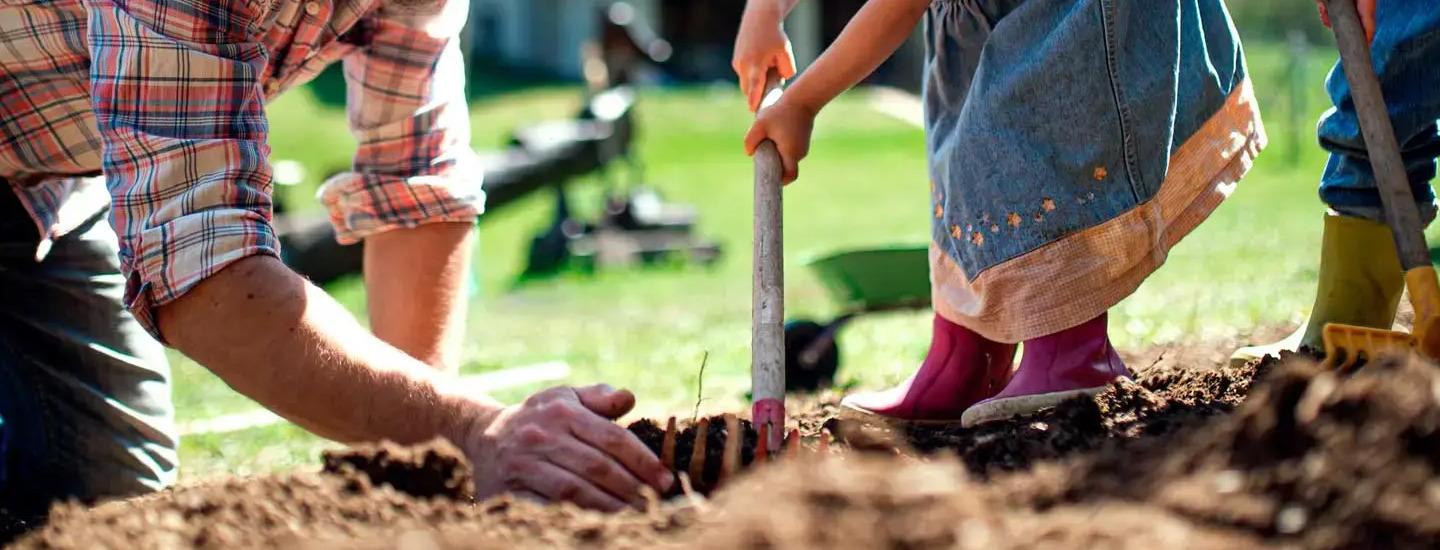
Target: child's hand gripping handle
767 331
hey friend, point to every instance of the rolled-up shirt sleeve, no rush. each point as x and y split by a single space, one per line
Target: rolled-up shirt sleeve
177 101
406 105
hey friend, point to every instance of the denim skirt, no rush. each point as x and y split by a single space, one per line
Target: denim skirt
1071 144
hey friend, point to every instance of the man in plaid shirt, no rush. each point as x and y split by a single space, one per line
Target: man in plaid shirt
162 103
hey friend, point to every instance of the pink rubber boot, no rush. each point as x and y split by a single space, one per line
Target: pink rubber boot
1054 368
960 369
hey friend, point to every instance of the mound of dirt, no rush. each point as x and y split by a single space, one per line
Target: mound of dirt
1311 457
1261 455
369 493
1165 397
437 469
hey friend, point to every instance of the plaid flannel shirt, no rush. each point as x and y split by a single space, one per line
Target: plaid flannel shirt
165 98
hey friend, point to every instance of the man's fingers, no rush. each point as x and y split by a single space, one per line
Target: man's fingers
558 484
605 400
620 445
600 470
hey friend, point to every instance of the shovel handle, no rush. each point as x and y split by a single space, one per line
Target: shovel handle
767 306
1401 213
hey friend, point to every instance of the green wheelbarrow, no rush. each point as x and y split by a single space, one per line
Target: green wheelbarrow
862 281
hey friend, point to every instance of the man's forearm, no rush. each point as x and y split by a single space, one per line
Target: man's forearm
415 287
286 344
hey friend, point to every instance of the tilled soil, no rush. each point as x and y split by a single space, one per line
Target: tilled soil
1190 454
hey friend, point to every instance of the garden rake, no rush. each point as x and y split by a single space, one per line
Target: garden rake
1349 347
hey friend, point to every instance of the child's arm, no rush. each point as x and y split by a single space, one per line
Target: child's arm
761 45
870 38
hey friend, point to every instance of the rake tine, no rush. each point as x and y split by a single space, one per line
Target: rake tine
730 461
762 452
824 447
697 453
1339 359
1361 359
667 448
792 449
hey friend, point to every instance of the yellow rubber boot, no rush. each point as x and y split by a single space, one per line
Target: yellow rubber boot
1360 284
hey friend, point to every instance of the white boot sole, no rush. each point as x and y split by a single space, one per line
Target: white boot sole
1011 407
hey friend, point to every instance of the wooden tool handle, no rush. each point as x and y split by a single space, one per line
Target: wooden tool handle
767 331
1400 211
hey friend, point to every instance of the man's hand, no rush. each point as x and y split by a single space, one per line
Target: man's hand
762 45
788 123
560 445
1367 15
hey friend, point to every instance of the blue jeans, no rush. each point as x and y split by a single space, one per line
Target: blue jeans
1406 53
85 406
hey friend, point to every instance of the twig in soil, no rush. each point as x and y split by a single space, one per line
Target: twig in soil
700 385
730 461
1157 360
697 453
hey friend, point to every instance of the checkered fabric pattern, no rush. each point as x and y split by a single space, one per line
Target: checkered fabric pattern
166 99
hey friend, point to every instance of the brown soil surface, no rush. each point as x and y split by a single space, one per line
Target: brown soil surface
1191 454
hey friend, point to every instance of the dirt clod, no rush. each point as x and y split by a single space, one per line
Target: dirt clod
434 470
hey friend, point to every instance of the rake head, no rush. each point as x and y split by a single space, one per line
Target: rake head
731 458
1350 347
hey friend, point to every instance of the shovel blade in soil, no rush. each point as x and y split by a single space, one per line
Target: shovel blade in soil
1349 347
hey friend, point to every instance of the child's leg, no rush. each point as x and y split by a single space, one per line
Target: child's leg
1359 283
1406 54
1360 279
961 369
1095 136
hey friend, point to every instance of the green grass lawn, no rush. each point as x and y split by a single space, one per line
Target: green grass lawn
1252 264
